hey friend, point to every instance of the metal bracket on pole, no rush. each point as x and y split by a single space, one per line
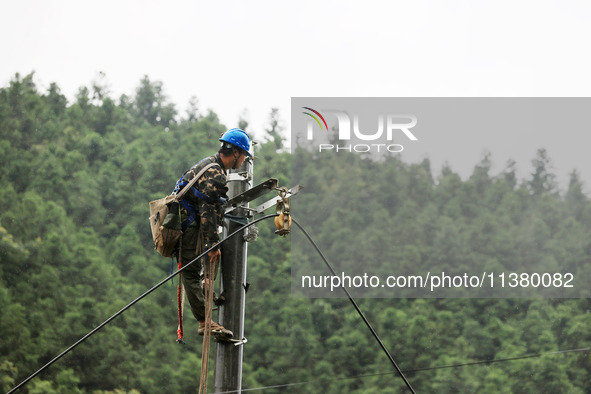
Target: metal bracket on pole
273 202
238 176
235 342
251 194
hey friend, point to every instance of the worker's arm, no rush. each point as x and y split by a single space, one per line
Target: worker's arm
213 185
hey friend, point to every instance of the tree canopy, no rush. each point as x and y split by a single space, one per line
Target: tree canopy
75 247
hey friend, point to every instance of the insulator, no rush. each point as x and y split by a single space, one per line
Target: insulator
252 233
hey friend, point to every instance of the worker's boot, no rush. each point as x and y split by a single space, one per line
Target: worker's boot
216 330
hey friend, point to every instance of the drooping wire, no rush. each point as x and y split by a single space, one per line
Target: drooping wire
499 360
278 386
125 308
373 332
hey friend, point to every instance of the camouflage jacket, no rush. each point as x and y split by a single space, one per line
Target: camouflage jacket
213 184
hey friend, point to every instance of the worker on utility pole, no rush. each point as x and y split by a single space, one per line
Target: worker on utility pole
202 210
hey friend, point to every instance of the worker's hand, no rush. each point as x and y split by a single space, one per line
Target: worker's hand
214 255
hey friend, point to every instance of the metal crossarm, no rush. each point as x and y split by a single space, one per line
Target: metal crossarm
251 194
272 202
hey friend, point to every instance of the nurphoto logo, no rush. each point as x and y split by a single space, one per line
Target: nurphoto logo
389 127
315 118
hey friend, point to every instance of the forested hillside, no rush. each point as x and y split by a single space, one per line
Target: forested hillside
75 247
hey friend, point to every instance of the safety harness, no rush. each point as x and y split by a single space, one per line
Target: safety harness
191 209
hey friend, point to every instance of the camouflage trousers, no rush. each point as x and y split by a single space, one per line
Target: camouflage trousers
193 275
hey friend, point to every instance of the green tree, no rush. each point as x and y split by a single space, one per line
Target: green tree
151 106
543 180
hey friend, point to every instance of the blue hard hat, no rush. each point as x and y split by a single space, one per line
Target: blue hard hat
238 138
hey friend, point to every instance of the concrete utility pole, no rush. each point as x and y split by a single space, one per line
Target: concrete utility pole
228 359
229 355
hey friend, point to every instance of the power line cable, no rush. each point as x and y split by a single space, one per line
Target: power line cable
373 332
498 360
278 386
125 308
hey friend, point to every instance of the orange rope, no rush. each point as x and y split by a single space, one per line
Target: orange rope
180 295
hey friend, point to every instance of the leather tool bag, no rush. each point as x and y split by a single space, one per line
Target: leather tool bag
165 218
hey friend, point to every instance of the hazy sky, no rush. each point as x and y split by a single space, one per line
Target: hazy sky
254 55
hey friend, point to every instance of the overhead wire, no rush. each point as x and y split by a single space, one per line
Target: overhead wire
125 308
327 380
369 326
